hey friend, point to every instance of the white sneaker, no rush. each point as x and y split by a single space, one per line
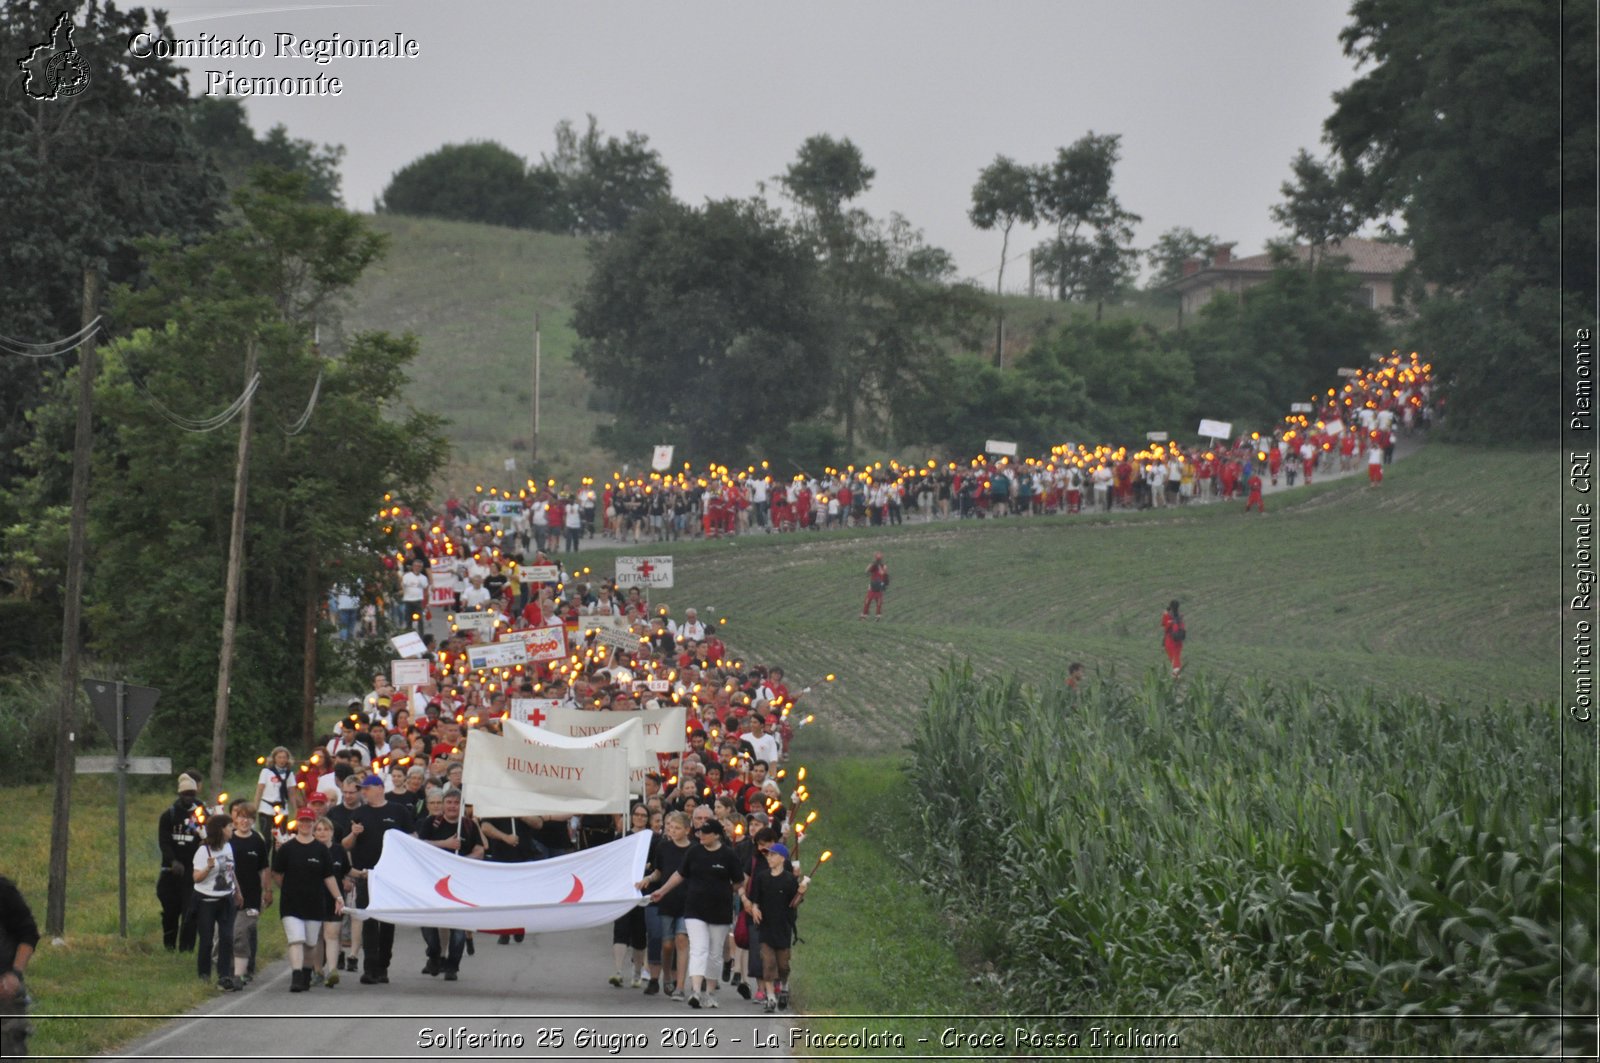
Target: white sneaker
711 1000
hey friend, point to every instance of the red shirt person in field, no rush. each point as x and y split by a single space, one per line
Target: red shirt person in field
1254 501
877 583
1173 635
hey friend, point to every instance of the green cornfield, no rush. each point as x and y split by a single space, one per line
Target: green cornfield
1289 870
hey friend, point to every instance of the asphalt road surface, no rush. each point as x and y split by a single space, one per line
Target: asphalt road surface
546 998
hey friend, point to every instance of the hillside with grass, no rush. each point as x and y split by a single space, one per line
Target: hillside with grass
470 292
1435 584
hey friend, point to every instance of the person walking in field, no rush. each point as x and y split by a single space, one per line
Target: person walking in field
877 583
1173 635
1374 463
1254 501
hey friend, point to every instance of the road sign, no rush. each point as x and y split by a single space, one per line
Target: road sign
137 705
136 765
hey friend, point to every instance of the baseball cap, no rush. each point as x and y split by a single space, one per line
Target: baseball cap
778 849
308 814
372 780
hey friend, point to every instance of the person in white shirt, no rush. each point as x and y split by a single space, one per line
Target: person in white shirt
763 744
691 630
474 597
1102 488
413 594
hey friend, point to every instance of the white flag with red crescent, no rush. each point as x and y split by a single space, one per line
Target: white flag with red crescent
417 884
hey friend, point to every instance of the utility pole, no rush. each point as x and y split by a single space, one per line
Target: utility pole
72 619
308 687
230 604
535 455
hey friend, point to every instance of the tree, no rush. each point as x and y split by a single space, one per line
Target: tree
1118 378
704 322
1279 342
1458 125
480 181
1172 249
219 125
825 175
605 181
1318 204
83 179
318 468
1090 256
1003 196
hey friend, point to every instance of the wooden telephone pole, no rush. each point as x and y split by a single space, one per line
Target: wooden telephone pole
230 604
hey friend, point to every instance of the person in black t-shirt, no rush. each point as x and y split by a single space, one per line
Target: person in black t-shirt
448 831
711 871
251 857
303 869
666 859
178 834
328 946
369 823
770 898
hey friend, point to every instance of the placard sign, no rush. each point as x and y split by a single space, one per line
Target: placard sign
1300 407
1156 437
409 644
445 596
610 631
481 622
1334 427
408 673
533 711
661 459
1216 429
644 571
541 573
1349 372
1000 446
491 507
529 647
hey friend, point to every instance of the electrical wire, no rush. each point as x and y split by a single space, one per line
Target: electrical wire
305 418
188 424
24 349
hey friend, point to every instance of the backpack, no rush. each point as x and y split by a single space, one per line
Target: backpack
1179 632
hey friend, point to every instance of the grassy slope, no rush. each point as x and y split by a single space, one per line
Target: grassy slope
469 293
1433 583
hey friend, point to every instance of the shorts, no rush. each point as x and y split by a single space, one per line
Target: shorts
630 930
302 931
674 926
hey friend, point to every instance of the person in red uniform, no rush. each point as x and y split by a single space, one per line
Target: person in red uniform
1274 461
1173 635
1254 501
877 583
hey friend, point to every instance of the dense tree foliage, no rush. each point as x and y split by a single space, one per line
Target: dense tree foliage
162 502
80 180
481 181
592 184
704 322
1459 126
220 126
1172 249
1091 254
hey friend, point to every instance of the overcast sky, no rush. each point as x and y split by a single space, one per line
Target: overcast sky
1211 97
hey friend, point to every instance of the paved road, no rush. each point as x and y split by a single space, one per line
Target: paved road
549 991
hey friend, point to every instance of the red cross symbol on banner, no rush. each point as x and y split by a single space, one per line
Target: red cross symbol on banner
645 569
537 717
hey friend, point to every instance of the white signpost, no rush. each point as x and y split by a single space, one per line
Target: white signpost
409 644
644 571
482 622
1216 429
1001 447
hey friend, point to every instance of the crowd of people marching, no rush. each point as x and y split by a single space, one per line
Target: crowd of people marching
1354 425
725 818
723 881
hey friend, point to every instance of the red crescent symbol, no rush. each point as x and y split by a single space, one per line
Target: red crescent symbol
577 891
442 888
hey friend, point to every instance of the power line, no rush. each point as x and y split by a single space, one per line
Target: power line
305 418
24 349
189 424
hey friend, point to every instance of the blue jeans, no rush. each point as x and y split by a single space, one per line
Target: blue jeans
458 945
652 932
